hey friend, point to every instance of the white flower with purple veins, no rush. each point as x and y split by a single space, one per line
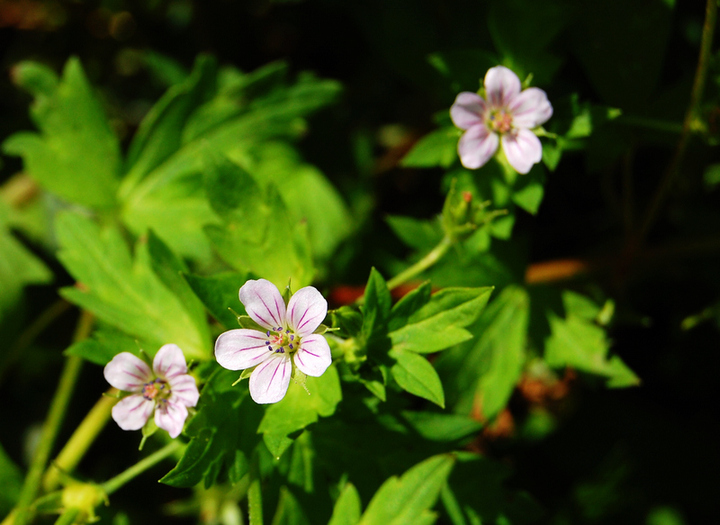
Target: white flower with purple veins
507 116
288 339
167 390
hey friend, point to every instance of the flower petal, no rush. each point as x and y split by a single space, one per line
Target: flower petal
313 358
476 146
307 308
184 390
171 417
269 381
241 348
169 362
468 110
501 86
530 108
522 149
263 303
132 412
127 372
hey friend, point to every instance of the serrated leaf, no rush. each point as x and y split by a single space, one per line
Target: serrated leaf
487 369
408 499
414 374
257 234
123 292
581 344
219 293
222 435
347 508
76 155
104 344
438 148
441 322
300 408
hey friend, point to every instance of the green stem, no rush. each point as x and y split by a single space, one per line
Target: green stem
80 441
141 466
58 407
423 264
254 495
651 123
688 124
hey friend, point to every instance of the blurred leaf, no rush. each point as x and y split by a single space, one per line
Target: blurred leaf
582 344
18 267
408 499
160 132
76 156
348 507
11 480
464 69
104 344
300 408
416 375
306 192
486 370
289 511
528 192
258 234
438 148
219 293
422 235
124 293
35 78
222 435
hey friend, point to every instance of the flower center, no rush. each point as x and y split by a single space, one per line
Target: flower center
282 341
156 390
500 121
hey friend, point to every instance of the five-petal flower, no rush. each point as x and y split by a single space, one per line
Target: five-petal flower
506 116
167 389
288 339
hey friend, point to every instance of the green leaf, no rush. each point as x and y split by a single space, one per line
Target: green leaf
219 293
76 156
300 408
289 511
124 293
306 192
104 344
11 480
408 499
438 148
160 132
18 267
486 370
376 307
258 234
347 508
582 344
222 435
422 235
441 322
529 191
416 375
435 426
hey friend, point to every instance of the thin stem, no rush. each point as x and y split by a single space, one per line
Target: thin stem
688 124
254 495
80 441
141 466
58 407
423 264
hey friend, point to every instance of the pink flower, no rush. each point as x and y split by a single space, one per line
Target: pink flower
167 390
288 340
507 116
